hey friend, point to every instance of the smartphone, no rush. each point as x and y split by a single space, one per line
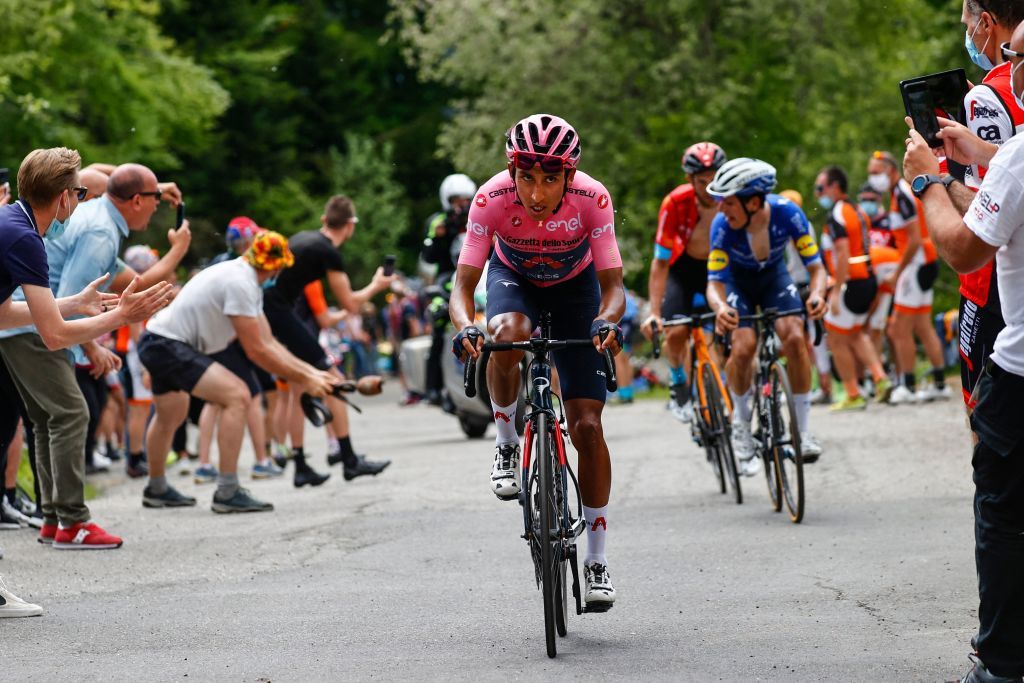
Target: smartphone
938 94
181 216
389 264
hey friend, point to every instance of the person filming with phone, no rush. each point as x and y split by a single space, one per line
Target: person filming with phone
993 226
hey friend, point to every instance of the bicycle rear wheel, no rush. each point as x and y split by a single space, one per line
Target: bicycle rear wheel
762 443
718 423
547 520
786 451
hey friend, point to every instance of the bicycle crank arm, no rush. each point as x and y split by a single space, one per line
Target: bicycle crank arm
576 592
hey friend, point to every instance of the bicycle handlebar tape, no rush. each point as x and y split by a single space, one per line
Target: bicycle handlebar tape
469 378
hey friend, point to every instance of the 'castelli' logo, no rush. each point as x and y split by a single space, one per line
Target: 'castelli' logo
481 201
516 221
498 415
602 201
599 521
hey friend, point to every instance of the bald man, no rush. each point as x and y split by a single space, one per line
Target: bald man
94 181
90 245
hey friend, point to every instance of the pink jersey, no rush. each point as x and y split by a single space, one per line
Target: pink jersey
581 232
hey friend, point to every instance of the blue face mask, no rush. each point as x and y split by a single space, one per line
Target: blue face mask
57 227
977 56
267 284
870 208
826 202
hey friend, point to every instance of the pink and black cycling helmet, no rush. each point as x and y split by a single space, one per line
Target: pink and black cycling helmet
240 231
703 156
540 138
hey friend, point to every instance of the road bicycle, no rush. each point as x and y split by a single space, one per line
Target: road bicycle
552 511
777 437
712 420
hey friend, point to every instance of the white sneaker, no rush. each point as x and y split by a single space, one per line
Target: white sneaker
505 472
683 413
902 396
810 447
742 440
600 594
11 517
100 461
750 467
13 606
933 393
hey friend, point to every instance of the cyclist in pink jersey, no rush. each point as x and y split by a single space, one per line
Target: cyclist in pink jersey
553 231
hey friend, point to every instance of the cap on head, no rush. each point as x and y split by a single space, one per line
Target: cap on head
544 134
793 196
141 257
240 229
269 251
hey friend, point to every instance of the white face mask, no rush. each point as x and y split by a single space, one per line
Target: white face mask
879 182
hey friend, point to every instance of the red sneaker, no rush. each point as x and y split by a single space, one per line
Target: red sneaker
46 534
87 536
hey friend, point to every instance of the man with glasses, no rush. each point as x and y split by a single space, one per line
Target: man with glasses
87 250
39 369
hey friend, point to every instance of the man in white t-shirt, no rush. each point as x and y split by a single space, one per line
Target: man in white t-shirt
992 226
187 349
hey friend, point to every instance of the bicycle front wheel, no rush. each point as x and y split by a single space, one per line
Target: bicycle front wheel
718 423
547 518
789 459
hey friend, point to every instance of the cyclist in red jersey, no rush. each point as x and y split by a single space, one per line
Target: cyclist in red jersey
547 234
679 269
992 115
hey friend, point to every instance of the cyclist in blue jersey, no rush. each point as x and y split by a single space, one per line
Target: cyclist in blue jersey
746 270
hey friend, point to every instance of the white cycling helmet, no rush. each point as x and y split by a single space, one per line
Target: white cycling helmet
743 177
456 185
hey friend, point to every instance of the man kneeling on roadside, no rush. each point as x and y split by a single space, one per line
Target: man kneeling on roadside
187 350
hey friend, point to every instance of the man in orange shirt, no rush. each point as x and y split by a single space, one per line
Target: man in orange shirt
914 278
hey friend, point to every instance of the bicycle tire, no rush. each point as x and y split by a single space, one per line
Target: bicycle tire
763 446
561 561
705 425
787 453
719 422
547 519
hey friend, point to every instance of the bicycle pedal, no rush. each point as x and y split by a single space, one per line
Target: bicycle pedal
597 608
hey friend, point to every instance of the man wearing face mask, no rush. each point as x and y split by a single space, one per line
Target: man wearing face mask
913 281
846 240
993 226
992 115
885 260
41 372
188 349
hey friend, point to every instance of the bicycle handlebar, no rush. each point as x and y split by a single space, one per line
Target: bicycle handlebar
676 322
771 315
533 346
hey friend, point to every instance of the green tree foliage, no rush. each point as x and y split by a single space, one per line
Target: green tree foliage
799 84
98 76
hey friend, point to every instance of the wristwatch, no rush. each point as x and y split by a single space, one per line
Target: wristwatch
921 183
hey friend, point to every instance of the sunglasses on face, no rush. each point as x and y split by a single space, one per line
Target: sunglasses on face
1009 54
819 188
80 192
525 161
156 194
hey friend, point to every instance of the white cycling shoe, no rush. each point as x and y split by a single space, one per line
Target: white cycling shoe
743 448
810 448
599 595
505 473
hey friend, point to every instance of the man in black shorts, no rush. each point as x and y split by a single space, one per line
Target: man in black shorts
187 349
316 255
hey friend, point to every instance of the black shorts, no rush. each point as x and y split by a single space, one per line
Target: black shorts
172 365
292 333
860 294
686 288
573 305
235 360
927 275
979 328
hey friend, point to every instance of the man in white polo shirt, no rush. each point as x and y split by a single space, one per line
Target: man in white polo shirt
992 226
187 349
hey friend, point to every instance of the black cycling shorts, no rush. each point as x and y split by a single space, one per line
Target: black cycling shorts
173 365
686 288
927 275
860 294
573 305
979 328
292 333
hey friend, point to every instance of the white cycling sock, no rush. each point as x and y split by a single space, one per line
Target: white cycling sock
597 528
741 405
505 421
802 406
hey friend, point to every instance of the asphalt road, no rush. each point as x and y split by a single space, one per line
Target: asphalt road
420 573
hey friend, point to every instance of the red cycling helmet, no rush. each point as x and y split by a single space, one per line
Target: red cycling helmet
543 139
703 156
